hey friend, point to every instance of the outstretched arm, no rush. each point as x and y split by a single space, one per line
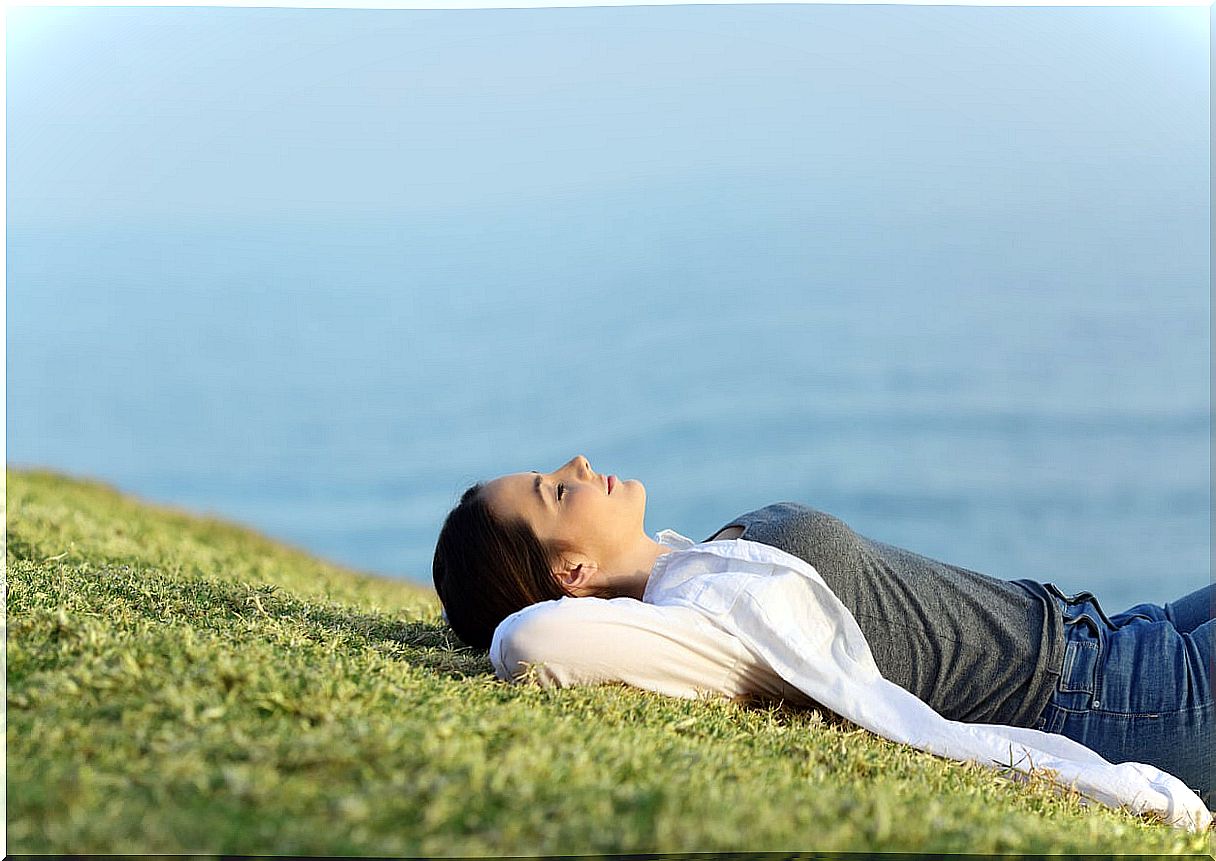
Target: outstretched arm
672 650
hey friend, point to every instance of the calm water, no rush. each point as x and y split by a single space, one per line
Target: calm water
995 352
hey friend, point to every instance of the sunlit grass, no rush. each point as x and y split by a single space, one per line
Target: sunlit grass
177 684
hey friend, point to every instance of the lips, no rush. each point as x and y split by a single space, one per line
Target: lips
611 483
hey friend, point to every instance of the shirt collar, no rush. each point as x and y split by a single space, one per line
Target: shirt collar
671 538
668 538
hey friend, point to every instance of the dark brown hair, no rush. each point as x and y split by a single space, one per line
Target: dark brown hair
485 568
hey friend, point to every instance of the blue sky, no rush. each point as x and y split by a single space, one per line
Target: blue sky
154 114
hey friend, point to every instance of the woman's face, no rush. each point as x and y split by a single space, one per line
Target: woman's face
572 505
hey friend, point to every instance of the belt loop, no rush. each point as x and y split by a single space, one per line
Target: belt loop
1055 590
1067 602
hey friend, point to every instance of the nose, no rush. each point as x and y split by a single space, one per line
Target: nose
579 465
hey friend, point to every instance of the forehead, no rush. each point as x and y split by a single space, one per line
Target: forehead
515 494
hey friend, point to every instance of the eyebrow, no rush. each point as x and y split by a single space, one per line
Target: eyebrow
544 500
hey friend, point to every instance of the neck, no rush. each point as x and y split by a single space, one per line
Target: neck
637 567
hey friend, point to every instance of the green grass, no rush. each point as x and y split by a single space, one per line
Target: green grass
177 684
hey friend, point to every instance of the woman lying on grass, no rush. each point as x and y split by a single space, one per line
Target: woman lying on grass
555 574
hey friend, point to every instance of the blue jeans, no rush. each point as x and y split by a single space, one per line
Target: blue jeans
1137 686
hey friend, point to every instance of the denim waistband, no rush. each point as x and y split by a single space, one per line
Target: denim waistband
1079 604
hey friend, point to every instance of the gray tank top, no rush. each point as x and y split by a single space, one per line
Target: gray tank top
973 647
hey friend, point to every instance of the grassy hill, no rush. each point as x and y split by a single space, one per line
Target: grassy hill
177 684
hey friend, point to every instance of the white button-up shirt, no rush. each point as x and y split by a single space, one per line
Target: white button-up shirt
739 618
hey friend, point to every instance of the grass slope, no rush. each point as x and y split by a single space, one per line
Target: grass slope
177 684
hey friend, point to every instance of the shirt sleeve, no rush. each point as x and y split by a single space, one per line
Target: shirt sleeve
672 650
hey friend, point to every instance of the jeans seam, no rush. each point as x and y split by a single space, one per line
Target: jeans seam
1109 713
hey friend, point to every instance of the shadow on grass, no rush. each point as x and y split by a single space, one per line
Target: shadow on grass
213 604
210 603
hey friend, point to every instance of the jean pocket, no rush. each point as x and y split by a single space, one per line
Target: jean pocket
1079 672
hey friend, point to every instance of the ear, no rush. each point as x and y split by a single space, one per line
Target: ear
578 575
